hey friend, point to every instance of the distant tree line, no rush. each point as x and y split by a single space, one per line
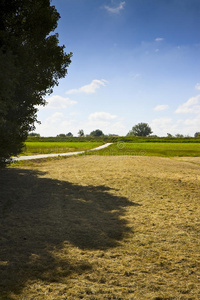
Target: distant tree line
69 134
139 130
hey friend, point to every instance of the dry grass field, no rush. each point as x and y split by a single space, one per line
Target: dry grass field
101 227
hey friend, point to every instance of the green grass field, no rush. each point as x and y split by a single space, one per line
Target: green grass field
57 147
151 149
119 148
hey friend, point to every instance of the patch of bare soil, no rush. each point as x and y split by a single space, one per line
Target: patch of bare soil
94 227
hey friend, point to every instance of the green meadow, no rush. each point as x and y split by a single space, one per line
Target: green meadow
57 147
151 149
149 146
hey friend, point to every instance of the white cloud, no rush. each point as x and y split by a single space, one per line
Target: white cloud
57 102
134 75
190 106
55 124
161 107
194 122
159 39
89 88
106 122
115 10
161 123
162 126
101 116
197 86
55 118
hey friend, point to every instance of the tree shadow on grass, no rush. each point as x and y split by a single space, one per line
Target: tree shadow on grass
39 214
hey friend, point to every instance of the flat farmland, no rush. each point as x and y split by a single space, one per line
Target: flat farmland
165 149
101 227
57 147
152 149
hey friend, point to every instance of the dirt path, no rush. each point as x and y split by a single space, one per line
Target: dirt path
57 154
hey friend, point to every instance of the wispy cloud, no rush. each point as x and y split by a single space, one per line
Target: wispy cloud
159 39
197 86
134 75
101 116
117 9
54 118
161 107
190 106
89 88
57 102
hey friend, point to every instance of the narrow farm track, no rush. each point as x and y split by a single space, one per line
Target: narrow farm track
57 154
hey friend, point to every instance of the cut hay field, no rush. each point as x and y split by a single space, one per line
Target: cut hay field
101 227
57 147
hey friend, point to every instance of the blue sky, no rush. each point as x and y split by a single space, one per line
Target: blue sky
133 61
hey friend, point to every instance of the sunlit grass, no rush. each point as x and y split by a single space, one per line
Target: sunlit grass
57 147
151 149
94 227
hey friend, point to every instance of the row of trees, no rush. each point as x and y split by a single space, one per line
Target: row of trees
95 133
31 63
141 129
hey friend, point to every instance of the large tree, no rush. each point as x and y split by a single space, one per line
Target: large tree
141 129
31 63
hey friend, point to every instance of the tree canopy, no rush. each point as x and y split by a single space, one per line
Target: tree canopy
81 132
141 129
69 134
97 132
31 63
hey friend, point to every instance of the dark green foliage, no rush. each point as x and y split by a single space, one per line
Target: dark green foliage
141 129
169 135
31 63
34 134
96 132
61 135
69 134
197 135
81 132
179 135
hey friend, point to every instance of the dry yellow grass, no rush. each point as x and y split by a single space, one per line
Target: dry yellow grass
97 227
